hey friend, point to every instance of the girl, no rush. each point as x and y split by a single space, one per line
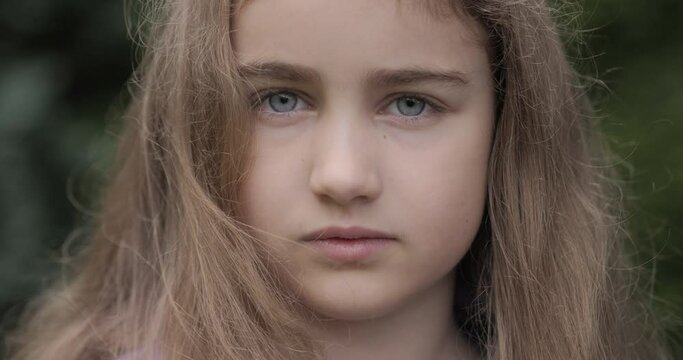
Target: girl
314 179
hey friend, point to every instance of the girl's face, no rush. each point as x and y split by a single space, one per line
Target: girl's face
372 114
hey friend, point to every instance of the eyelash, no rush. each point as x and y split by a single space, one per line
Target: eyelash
431 107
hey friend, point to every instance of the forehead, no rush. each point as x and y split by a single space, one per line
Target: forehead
355 33
437 8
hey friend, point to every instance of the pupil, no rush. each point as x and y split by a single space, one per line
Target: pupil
283 102
409 106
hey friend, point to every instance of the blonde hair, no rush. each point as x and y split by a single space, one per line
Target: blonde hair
170 271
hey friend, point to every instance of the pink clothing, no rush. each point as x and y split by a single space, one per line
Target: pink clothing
139 355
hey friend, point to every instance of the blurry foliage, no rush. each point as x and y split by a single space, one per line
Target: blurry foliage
641 52
63 69
63 66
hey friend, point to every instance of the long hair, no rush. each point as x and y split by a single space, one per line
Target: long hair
171 272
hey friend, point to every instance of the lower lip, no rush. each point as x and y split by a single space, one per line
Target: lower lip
350 249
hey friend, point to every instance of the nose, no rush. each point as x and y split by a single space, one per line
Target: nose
344 168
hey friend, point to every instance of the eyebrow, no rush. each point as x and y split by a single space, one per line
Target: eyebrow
415 75
276 70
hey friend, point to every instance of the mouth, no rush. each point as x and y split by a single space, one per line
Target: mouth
349 244
346 233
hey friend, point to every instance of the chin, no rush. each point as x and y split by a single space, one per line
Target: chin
350 312
350 303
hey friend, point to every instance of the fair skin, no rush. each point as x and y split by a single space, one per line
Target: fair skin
348 144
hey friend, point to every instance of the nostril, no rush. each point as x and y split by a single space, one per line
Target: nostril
345 188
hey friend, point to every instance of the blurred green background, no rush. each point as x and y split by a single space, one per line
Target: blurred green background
63 71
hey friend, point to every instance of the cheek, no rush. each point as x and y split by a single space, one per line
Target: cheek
271 191
264 190
448 220
446 194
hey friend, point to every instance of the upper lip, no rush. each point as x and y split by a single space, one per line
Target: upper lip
352 232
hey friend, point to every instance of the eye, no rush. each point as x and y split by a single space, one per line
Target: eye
283 101
412 106
279 102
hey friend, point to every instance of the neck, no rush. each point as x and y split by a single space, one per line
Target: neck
421 329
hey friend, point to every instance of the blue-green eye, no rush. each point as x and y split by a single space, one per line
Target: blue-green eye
410 106
283 101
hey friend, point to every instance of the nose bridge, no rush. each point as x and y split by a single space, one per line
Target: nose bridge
344 161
